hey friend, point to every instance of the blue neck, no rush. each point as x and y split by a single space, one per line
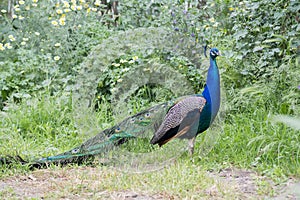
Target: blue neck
212 89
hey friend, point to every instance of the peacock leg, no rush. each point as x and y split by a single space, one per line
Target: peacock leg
191 143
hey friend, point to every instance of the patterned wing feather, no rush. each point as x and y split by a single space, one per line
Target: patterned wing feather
180 119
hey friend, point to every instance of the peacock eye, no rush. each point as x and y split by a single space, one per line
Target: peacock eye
132 120
75 151
141 118
147 115
117 130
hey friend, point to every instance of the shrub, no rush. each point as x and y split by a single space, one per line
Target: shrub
43 45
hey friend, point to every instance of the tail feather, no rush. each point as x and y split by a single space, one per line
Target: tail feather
86 152
8 160
83 154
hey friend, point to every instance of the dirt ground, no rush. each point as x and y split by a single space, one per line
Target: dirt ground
254 186
63 184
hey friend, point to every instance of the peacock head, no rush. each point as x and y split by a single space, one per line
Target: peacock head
214 52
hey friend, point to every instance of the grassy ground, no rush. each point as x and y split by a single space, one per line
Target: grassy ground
245 163
181 180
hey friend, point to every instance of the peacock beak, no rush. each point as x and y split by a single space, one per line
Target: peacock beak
219 53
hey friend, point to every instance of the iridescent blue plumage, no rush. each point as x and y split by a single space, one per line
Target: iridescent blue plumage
212 89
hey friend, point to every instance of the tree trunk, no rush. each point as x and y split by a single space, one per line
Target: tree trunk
10 8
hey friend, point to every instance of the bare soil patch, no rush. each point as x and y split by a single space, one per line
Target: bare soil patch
87 183
253 186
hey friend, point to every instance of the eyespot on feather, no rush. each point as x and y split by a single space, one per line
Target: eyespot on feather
74 151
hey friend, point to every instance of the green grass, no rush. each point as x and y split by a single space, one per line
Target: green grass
37 127
252 141
46 126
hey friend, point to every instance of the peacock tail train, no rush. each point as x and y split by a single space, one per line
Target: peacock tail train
139 125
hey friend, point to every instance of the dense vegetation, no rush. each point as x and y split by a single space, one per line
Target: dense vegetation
56 53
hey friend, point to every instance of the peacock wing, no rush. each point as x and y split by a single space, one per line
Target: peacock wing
181 120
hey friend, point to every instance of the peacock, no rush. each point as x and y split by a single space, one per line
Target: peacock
183 118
